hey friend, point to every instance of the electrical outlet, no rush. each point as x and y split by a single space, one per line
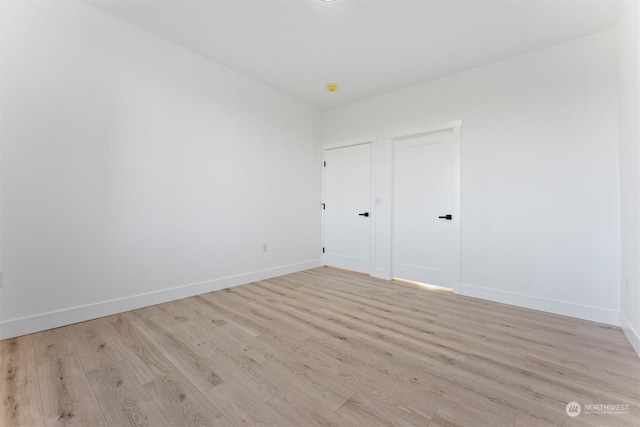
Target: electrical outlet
265 248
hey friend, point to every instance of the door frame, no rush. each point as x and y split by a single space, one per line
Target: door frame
372 229
454 127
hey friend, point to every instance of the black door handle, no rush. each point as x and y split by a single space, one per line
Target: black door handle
364 214
448 217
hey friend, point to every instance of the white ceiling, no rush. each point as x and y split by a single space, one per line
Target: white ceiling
367 47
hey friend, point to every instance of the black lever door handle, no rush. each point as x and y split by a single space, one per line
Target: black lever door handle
364 214
448 217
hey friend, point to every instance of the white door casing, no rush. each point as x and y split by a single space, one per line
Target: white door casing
426 187
347 198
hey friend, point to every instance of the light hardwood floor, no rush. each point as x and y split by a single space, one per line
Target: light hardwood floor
321 347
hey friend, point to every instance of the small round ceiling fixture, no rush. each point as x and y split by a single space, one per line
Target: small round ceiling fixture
327 1
332 87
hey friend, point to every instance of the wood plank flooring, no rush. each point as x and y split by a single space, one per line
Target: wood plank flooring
321 348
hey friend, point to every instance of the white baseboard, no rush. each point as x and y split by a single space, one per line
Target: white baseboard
40 322
632 335
381 274
586 312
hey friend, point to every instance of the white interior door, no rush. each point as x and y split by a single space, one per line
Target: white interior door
426 238
347 198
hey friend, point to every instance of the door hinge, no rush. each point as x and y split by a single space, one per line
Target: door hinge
325 164
322 250
324 206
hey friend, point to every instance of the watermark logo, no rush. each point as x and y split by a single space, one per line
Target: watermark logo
573 409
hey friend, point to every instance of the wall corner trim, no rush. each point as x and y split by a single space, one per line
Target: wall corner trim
54 319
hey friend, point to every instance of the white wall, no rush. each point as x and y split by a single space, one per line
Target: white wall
540 179
628 114
134 172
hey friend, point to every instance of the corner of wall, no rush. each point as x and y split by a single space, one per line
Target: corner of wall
629 158
632 335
